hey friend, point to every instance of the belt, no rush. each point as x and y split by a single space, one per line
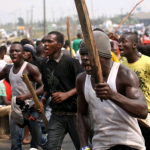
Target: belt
61 113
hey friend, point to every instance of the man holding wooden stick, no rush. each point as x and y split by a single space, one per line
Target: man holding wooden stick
114 104
23 112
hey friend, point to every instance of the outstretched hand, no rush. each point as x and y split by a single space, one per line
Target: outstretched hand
59 97
103 91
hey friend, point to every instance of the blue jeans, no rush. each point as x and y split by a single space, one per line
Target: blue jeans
58 127
34 125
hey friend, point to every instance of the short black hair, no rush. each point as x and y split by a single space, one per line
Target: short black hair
25 41
66 43
2 50
8 42
60 36
133 38
79 35
40 49
16 42
38 42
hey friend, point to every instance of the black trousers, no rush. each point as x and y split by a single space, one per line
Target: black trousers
122 147
146 134
58 127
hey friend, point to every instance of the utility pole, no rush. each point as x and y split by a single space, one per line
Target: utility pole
31 22
27 18
121 14
92 16
27 22
44 13
14 20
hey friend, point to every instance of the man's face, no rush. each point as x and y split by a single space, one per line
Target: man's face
51 46
27 56
125 45
86 63
16 53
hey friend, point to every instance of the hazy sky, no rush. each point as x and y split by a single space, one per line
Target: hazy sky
12 9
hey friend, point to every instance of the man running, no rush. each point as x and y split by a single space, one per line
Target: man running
59 74
114 104
23 97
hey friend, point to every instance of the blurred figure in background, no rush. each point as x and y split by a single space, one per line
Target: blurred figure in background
145 36
5 100
2 61
8 46
39 42
66 49
76 42
6 58
40 51
24 41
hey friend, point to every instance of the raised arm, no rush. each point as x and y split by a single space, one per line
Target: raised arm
132 100
83 113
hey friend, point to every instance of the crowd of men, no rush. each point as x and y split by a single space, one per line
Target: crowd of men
98 116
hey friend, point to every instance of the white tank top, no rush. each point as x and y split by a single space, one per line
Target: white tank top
112 125
17 84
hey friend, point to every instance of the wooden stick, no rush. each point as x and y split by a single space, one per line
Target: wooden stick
35 98
127 16
68 32
89 40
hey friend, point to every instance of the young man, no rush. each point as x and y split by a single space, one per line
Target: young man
29 55
140 64
114 104
76 42
59 74
6 57
22 96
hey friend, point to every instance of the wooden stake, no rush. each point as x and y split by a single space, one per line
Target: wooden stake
68 32
127 16
35 98
89 40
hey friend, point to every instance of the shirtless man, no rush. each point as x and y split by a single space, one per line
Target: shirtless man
22 94
114 104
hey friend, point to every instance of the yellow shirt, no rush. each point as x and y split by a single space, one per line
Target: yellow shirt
142 69
73 52
114 57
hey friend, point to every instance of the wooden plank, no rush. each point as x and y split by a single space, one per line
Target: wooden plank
68 32
89 39
35 98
